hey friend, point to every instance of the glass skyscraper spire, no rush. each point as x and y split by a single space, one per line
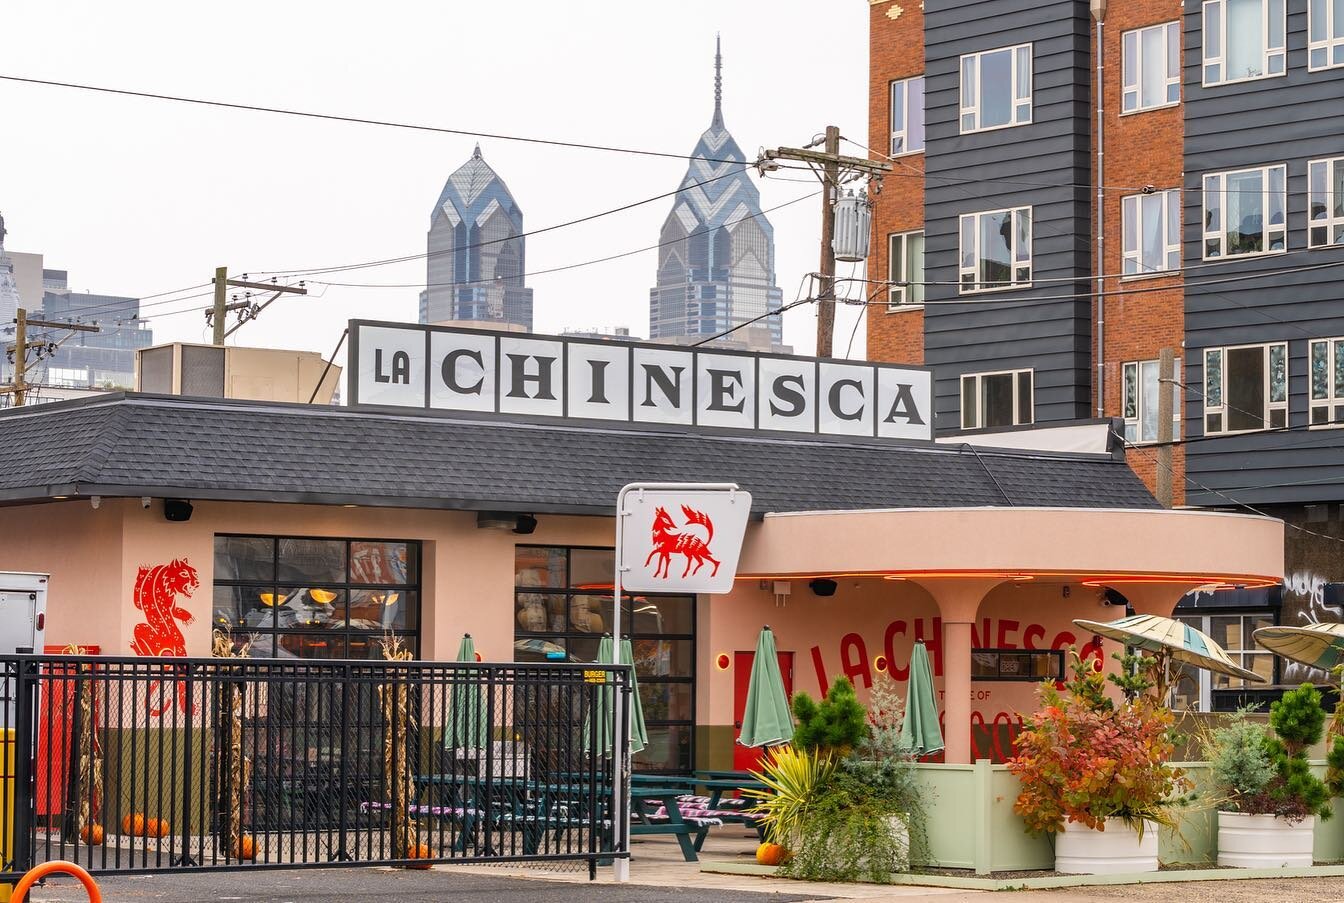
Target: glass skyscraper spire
716 263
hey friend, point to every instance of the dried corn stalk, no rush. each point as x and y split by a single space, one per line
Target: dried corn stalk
90 750
397 723
239 768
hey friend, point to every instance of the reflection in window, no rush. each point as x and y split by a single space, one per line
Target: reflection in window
1245 212
1325 202
1017 664
562 609
1246 388
995 250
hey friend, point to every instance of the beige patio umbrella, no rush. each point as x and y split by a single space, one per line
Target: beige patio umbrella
1317 645
1171 642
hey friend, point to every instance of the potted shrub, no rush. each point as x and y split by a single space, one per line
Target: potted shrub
1268 798
1095 771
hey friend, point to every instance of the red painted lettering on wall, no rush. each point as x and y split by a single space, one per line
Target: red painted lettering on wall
156 592
933 643
854 660
888 645
822 680
1033 630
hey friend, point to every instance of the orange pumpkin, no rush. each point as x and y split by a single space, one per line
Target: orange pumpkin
133 824
245 849
771 854
420 851
157 827
92 834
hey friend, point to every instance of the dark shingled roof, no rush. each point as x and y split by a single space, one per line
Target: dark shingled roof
131 445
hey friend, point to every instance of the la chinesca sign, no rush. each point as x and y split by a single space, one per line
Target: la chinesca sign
451 369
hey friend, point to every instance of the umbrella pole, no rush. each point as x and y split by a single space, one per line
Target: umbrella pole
620 805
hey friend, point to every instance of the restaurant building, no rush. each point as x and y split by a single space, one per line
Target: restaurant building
321 529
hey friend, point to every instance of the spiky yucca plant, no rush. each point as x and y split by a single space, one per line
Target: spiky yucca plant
791 777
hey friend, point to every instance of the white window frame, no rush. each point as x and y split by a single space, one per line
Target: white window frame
901 86
1021 416
1327 41
970 100
1132 82
902 297
978 284
1202 621
1333 222
1325 411
1222 409
1134 423
1131 212
1215 187
1215 54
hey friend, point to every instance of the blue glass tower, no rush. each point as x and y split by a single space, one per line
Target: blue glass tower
476 259
716 263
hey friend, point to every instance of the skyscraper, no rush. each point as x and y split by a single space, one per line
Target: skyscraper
476 260
716 263
9 303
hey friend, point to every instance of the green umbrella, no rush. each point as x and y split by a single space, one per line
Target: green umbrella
602 707
766 720
919 732
639 734
467 719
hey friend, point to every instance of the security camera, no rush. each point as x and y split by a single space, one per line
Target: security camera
95 501
144 501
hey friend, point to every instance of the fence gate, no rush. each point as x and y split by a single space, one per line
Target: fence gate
142 765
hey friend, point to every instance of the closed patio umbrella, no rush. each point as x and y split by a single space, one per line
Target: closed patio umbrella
467 727
597 726
766 720
1317 645
639 734
920 732
1171 642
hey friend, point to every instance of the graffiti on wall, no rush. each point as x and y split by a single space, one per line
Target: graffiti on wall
157 589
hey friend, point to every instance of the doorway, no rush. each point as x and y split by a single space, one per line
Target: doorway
744 758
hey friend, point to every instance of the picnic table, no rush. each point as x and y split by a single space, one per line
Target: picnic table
696 812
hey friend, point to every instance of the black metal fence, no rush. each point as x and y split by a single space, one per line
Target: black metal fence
141 765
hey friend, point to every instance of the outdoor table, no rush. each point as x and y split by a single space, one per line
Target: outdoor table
534 805
641 798
717 787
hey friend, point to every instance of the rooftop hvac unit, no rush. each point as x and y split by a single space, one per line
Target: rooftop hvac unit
853 223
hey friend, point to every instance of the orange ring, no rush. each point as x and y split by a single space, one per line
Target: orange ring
56 865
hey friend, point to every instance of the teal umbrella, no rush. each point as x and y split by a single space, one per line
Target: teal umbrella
639 734
467 727
766 720
919 732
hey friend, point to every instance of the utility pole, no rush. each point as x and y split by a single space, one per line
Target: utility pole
217 314
19 387
1166 379
829 164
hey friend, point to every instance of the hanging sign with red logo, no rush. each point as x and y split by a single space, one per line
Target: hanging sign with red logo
681 540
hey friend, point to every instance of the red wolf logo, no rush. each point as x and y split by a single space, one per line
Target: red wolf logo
669 541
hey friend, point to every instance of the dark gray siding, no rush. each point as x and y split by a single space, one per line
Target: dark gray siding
1289 119
1045 165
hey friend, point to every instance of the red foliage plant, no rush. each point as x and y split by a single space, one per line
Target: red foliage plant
1086 758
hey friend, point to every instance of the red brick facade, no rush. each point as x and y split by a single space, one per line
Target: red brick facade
1143 315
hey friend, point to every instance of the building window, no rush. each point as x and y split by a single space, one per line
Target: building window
905 264
1033 665
1325 34
1152 232
1246 388
995 250
1152 67
562 607
1327 382
996 88
1244 212
1243 39
317 598
1325 206
1139 398
996 399
1195 687
907 116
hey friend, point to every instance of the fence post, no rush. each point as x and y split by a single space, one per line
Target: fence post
983 788
25 687
184 857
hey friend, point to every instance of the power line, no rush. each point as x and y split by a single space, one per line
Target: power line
386 123
798 299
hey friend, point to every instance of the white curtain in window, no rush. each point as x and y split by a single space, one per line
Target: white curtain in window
1154 241
1153 90
1245 38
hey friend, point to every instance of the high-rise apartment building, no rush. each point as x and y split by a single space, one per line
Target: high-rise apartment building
1045 242
476 264
716 260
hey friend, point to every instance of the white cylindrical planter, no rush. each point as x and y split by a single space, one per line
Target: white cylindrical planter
1080 850
1264 841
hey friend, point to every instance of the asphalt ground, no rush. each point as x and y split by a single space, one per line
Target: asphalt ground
357 885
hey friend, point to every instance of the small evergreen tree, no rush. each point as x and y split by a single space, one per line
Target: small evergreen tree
836 725
1298 721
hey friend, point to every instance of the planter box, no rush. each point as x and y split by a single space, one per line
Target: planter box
1264 841
1080 850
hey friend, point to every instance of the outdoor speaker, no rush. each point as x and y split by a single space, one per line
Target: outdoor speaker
527 524
176 509
823 587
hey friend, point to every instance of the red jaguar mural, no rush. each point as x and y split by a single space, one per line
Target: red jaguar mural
156 592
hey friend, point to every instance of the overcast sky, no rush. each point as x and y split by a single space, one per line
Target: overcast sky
138 197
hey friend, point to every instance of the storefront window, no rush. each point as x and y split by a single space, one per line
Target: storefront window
317 598
1197 689
563 606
